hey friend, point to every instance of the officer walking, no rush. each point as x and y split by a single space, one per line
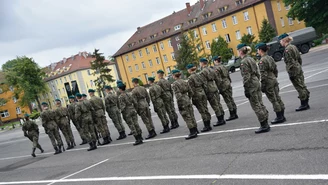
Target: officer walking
71 111
225 87
269 83
31 131
251 80
156 93
293 62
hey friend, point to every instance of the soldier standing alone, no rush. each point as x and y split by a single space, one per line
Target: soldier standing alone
31 131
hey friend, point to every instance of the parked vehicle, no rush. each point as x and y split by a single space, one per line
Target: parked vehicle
233 64
302 39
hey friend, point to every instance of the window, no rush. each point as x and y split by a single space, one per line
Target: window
282 21
238 2
65 79
224 23
18 110
214 29
61 81
168 69
15 99
165 58
223 9
11 88
63 90
204 31
249 30
57 82
246 17
290 21
140 53
130 69
59 91
150 63
177 38
146 77
158 61
287 7
153 74
238 36
172 55
177 27
179 46
91 84
147 51
227 36
137 67
127 58
70 77
195 34
208 45
53 88
154 49
234 20
278 6
198 47
133 56
143 65
161 45
170 44
4 113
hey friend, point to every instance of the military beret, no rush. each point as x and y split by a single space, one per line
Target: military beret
135 80
241 45
118 81
175 71
71 97
78 95
160 71
151 79
44 103
108 87
26 115
216 58
189 66
120 85
57 100
203 60
84 95
260 45
91 90
282 36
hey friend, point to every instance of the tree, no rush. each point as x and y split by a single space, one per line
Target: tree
313 12
26 78
100 67
219 47
250 41
267 32
189 52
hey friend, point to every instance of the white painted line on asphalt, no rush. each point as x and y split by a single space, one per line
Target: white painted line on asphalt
185 177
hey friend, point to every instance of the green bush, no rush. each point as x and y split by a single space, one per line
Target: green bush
35 115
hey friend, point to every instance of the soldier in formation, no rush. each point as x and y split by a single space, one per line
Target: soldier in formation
31 131
293 62
269 83
156 94
251 80
71 111
111 104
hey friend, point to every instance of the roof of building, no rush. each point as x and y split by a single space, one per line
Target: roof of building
202 12
69 65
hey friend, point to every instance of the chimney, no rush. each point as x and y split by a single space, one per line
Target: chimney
201 4
188 8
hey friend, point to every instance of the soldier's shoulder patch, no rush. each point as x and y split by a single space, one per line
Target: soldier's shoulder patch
286 50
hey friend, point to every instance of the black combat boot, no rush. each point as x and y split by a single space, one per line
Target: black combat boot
73 144
40 148
278 119
130 134
106 141
193 133
207 126
221 121
304 105
84 142
138 140
93 146
60 148
264 127
166 129
233 115
69 146
33 152
152 134
174 124
57 150
121 136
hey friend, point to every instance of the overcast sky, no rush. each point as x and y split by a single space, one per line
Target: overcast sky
49 30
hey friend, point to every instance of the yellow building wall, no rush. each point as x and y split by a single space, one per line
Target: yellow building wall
11 106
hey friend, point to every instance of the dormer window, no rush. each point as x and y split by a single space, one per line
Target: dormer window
207 15
192 21
140 41
177 27
152 36
240 2
223 9
165 31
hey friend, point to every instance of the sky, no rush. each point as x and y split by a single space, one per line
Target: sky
48 30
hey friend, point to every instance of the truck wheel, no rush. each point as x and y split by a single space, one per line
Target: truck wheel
305 48
232 69
277 56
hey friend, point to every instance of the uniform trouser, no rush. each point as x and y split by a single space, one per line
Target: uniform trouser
187 113
145 115
214 99
169 107
35 140
131 119
55 136
67 132
201 105
228 99
79 129
272 92
256 102
160 110
101 126
88 128
115 115
70 130
298 83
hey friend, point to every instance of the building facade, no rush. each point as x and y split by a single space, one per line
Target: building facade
153 47
70 76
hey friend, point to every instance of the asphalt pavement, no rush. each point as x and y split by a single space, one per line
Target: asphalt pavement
294 152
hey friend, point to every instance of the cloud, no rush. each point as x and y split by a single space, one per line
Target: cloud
50 30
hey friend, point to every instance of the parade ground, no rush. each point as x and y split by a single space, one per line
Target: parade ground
295 152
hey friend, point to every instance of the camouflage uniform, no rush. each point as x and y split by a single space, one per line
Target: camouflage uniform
251 77
31 130
155 92
99 116
51 128
141 96
127 105
183 94
71 112
167 96
83 114
61 117
111 103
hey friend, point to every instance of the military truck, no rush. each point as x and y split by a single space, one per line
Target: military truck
233 64
302 39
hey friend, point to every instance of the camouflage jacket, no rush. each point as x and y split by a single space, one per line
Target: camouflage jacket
111 100
182 92
197 85
48 119
268 69
97 103
127 102
141 96
249 71
211 79
155 92
223 74
30 128
61 115
293 60
83 109
71 111
166 86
